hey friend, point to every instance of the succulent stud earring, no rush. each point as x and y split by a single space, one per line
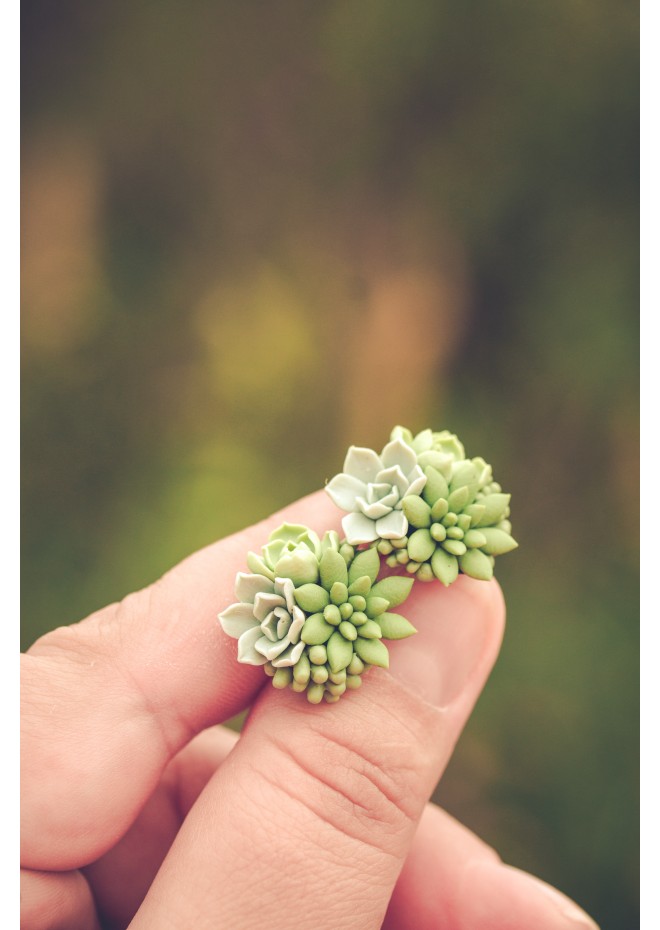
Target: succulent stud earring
315 612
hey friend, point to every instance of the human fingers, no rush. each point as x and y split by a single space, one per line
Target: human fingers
56 901
452 880
107 702
309 820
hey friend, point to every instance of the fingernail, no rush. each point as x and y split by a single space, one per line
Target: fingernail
502 889
459 630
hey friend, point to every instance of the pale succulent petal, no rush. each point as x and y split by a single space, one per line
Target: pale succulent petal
296 626
248 586
373 511
399 453
423 441
417 480
393 526
376 492
362 463
268 627
286 588
237 619
283 624
247 654
359 529
289 657
275 649
264 603
395 477
343 489
400 432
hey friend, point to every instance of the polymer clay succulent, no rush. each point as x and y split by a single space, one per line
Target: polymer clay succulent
314 612
317 625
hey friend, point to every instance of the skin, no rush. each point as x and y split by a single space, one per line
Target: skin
138 809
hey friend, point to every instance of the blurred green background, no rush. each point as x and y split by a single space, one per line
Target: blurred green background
254 233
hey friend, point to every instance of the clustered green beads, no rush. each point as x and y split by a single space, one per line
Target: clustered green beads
348 616
456 525
313 611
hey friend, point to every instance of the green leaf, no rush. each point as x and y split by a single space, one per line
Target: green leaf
497 541
465 475
435 487
301 670
475 512
475 564
257 565
416 510
340 652
360 586
372 651
311 597
421 546
474 539
364 563
445 566
394 589
333 568
458 499
316 630
394 626
454 546
495 508
370 630
376 606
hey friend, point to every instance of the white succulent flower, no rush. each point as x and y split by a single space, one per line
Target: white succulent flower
267 622
372 487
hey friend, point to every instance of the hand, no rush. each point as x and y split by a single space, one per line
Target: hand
136 807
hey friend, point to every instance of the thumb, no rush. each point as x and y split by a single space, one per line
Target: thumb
310 819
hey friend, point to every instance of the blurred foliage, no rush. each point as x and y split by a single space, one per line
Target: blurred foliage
254 233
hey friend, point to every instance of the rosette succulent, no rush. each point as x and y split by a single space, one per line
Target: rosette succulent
372 487
458 524
316 636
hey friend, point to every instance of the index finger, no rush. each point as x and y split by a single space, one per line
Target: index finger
108 701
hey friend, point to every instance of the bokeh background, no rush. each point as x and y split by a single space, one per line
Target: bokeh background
254 233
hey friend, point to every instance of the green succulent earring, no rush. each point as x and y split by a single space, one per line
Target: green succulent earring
314 612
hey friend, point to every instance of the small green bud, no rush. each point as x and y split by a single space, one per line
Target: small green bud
316 630
464 521
444 565
340 652
269 669
373 651
347 630
371 630
358 618
476 564
301 566
331 698
438 532
421 545
336 690
339 677
332 615
474 539
400 543
475 512
402 556
416 510
454 546
376 606
315 693
356 666
298 686
319 674
282 678
455 532
412 567
425 573
346 611
439 509
353 682
338 593
318 655
347 552
384 547
391 561
311 597
458 499
450 520
357 602
301 670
